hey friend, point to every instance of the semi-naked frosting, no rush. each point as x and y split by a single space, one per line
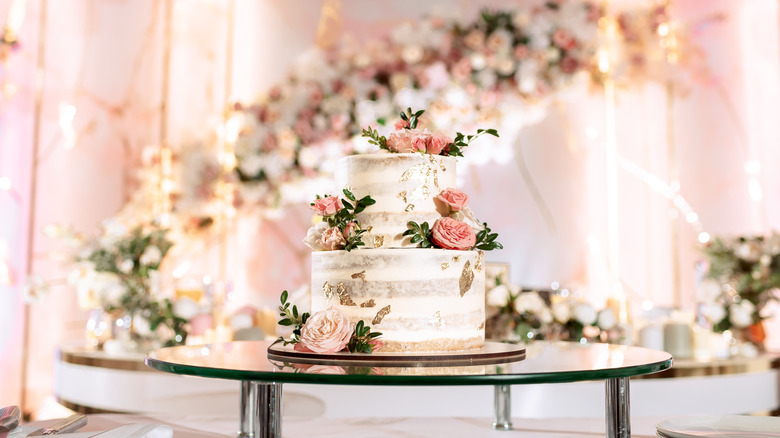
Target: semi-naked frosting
404 187
419 299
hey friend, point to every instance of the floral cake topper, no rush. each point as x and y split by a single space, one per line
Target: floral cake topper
408 138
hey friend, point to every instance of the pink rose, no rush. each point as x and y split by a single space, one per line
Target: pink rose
332 239
408 140
569 65
350 229
449 233
420 142
454 199
327 331
400 141
401 124
564 39
327 206
438 143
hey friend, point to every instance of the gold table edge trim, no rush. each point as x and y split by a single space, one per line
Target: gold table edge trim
79 357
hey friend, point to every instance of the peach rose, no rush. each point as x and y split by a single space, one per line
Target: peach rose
437 143
327 331
332 239
400 141
449 233
350 229
454 199
408 140
327 206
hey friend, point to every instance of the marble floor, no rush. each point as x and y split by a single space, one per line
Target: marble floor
301 427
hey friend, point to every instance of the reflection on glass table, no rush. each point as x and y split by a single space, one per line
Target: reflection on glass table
544 362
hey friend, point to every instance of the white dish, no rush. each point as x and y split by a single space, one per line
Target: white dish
720 426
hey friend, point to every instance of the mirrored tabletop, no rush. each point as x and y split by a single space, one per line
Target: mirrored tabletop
544 362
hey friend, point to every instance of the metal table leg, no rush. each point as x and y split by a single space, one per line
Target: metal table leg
502 405
261 410
618 409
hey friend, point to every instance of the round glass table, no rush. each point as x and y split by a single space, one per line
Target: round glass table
545 362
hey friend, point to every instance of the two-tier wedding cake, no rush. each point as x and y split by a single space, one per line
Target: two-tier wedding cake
403 252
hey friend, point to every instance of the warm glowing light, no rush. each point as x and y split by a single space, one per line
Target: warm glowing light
704 237
691 217
5 183
754 188
663 29
647 305
228 160
182 269
67 114
591 132
603 61
15 17
752 167
555 285
233 128
8 90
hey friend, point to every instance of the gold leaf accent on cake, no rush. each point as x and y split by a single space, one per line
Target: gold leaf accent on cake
381 314
444 266
466 278
369 303
480 258
369 229
379 241
436 319
361 275
414 172
481 326
435 173
441 164
344 298
327 290
456 259
402 195
409 208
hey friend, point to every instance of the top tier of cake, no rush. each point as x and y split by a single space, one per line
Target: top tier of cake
404 187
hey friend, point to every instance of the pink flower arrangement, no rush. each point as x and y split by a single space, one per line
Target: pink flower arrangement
327 206
405 140
449 233
454 199
327 331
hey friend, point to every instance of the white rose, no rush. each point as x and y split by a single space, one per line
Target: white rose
327 331
314 235
529 302
545 316
152 256
185 307
741 315
584 313
561 311
126 266
109 288
141 325
606 319
714 313
498 296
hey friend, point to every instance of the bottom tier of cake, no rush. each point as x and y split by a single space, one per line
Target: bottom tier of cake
420 299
